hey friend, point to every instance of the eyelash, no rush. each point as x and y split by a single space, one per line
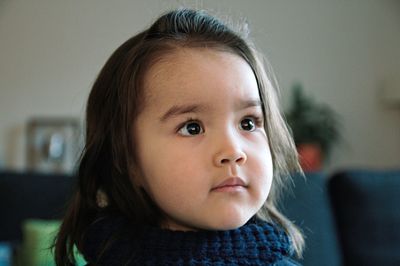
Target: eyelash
258 120
187 121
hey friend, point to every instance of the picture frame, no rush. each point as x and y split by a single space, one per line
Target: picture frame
53 144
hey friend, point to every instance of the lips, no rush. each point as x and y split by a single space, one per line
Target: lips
233 183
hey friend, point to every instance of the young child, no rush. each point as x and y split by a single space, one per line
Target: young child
186 153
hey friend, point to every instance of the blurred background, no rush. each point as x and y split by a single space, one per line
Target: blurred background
345 55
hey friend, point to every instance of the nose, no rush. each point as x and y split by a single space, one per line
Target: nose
229 153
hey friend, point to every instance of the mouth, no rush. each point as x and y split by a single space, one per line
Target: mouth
232 184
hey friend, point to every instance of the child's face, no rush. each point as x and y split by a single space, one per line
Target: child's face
200 140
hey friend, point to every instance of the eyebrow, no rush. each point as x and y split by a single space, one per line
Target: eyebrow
249 103
177 110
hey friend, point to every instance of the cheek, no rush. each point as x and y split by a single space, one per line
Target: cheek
261 151
262 166
170 171
167 161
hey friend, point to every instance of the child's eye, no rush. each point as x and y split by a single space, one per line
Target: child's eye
191 128
249 123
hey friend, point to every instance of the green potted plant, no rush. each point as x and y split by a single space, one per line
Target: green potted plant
315 128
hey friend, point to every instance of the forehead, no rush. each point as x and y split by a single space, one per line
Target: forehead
199 75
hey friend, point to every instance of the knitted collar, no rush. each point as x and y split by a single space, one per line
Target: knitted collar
256 243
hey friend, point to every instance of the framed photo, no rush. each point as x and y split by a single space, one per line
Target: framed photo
53 144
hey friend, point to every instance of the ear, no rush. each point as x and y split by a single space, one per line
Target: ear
101 199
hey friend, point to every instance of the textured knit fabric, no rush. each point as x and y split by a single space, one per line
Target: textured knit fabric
256 243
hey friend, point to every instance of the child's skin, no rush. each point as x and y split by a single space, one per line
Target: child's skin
202 124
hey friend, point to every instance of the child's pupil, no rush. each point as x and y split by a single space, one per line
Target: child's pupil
247 124
193 128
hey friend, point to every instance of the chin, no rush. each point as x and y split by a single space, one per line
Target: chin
231 224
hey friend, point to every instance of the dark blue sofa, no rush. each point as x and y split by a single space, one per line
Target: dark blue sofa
367 211
309 207
30 195
350 218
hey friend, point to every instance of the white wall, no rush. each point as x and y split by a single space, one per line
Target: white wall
51 51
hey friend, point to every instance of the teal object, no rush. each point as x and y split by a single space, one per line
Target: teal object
5 254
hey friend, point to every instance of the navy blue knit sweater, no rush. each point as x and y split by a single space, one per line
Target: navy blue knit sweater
256 243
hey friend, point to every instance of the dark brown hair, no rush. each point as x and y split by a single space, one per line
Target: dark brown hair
108 160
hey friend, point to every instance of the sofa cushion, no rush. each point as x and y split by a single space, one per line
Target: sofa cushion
309 207
366 206
31 195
